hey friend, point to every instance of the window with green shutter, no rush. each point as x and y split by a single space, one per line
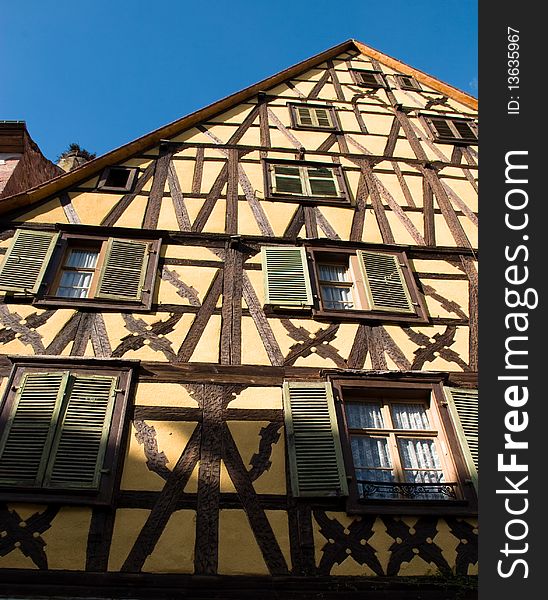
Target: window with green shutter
69 269
407 82
60 429
313 117
371 79
315 456
451 130
286 276
464 407
306 181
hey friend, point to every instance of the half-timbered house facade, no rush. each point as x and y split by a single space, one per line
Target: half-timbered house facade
239 354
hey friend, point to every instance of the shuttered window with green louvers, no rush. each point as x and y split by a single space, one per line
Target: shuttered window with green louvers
464 408
26 260
313 443
123 273
313 117
385 283
452 130
56 433
314 181
286 276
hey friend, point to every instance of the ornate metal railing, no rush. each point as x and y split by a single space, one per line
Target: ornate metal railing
413 491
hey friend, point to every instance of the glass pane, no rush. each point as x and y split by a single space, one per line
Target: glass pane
322 181
82 259
336 297
418 454
333 272
286 170
372 453
289 185
75 284
410 416
363 416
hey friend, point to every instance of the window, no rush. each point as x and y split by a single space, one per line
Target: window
407 82
372 79
452 131
378 442
316 182
400 445
61 429
343 283
69 268
308 116
117 179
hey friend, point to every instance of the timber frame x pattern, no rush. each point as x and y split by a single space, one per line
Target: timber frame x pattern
296 262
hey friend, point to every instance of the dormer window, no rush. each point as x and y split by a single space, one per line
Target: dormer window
448 130
313 117
372 79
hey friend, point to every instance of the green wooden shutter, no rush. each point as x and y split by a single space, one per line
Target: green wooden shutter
303 116
323 117
384 282
322 181
80 442
286 276
315 455
464 408
466 132
27 439
286 179
26 260
123 273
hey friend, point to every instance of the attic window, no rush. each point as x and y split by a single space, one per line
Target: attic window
117 179
407 82
451 130
372 79
312 116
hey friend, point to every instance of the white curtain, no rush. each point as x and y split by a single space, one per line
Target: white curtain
409 416
82 259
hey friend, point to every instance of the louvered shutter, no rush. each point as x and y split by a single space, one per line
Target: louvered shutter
384 282
315 455
303 116
370 78
80 442
323 117
322 181
286 276
443 130
28 436
464 407
123 273
286 179
466 132
26 260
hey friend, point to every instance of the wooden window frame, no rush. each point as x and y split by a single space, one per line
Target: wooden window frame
117 436
132 175
67 240
428 391
455 140
356 314
415 86
378 76
343 199
295 124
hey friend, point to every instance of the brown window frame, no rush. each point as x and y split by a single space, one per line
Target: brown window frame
69 240
414 86
318 254
380 82
429 392
455 140
132 175
343 199
293 106
111 471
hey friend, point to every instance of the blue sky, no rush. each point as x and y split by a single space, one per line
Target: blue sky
105 72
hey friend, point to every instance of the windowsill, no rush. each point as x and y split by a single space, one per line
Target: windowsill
455 142
65 497
101 303
312 200
366 315
412 507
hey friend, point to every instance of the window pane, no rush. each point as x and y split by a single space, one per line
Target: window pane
83 259
75 284
333 272
336 297
418 454
410 416
372 453
363 416
323 117
304 116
